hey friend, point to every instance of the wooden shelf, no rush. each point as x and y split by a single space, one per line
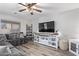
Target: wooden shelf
29 31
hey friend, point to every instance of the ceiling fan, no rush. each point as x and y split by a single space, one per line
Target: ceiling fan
30 7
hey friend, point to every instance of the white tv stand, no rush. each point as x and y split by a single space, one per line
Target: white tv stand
47 39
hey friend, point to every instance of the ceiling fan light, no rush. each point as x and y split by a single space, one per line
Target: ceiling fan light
27 10
33 7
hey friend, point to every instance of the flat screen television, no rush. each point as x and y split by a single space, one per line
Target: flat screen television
47 26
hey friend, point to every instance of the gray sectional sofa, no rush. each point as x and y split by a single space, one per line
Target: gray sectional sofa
7 49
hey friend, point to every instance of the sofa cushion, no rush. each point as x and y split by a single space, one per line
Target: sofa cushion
3 37
4 51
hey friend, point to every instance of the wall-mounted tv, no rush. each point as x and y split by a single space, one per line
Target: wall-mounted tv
47 26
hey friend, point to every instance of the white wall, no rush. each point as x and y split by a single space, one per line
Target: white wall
23 22
66 22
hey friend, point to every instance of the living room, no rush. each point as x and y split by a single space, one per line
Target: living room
31 33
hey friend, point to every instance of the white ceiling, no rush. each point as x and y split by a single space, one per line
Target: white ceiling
47 8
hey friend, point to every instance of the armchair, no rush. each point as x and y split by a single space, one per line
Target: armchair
16 38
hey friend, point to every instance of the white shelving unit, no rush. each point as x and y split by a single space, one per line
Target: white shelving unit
74 46
47 40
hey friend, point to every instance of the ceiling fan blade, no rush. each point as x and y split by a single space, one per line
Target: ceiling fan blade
22 10
38 10
22 4
31 4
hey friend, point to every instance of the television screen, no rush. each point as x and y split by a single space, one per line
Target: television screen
46 27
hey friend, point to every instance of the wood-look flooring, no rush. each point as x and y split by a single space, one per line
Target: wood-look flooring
36 49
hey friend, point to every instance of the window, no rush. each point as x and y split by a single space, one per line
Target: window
10 26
